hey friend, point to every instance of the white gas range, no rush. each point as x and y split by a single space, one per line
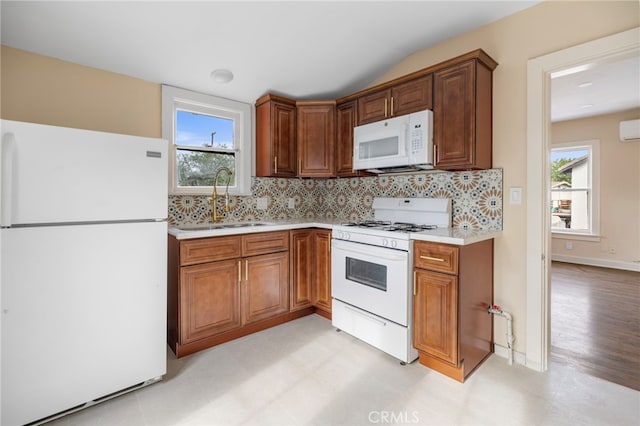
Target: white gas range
371 272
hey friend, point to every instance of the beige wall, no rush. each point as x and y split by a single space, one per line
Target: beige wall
48 91
45 90
619 189
512 41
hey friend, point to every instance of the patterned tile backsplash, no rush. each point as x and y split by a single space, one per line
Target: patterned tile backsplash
476 198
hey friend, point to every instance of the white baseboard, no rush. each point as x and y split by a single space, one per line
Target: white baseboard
615 264
503 352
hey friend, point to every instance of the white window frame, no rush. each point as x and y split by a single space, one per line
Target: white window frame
174 98
594 187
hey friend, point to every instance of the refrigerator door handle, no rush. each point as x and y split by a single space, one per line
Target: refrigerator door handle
6 196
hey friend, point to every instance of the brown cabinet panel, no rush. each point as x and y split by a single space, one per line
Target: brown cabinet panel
462 117
209 299
322 269
400 99
265 291
316 138
209 249
374 106
412 96
453 287
300 292
276 137
436 257
436 315
264 242
346 121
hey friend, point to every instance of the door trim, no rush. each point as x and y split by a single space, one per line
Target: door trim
538 144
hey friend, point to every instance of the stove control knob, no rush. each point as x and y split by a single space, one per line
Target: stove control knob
385 242
394 243
347 236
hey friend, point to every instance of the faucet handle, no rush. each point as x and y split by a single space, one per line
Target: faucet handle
209 200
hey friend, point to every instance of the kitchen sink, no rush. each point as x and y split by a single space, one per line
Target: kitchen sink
212 226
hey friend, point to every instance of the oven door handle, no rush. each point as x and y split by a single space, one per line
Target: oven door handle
401 256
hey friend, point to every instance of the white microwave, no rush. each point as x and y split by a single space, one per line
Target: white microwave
399 144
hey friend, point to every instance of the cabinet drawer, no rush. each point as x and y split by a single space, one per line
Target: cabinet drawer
265 242
436 257
209 250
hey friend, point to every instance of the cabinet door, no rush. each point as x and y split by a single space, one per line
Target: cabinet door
266 287
301 269
316 138
322 269
454 113
374 106
209 299
412 96
346 121
275 137
435 315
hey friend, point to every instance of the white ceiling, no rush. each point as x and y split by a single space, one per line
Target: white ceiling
304 49
604 87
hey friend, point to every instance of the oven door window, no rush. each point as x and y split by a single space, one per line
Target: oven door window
366 273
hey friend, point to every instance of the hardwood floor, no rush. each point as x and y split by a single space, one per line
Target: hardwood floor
595 321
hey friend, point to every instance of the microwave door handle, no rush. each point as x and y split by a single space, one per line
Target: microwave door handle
340 246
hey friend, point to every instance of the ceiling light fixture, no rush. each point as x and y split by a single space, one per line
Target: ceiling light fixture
586 106
221 76
572 70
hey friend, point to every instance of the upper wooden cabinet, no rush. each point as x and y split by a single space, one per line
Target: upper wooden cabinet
400 99
345 122
462 114
276 137
316 138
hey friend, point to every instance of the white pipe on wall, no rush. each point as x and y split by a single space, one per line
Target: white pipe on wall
497 310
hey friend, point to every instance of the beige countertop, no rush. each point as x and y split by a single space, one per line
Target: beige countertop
443 235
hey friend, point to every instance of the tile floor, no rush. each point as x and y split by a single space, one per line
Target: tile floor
306 373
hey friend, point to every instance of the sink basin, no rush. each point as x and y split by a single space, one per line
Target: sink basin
212 226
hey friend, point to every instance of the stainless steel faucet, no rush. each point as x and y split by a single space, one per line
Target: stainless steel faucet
214 197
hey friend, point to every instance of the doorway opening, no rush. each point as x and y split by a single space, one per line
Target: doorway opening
538 262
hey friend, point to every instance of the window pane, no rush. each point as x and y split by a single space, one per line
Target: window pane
570 210
197 168
193 129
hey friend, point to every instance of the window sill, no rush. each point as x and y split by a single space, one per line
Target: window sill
575 236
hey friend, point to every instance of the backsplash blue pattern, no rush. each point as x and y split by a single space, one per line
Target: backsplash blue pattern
476 198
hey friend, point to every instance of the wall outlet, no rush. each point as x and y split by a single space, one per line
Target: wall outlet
568 245
262 203
291 203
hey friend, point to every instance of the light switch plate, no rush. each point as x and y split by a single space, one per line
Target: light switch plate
291 203
515 195
262 203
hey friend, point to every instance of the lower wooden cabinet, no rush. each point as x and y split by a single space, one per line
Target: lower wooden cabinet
311 270
453 288
322 271
222 288
209 299
265 290
301 249
436 315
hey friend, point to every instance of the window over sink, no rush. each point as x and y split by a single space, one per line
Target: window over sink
206 133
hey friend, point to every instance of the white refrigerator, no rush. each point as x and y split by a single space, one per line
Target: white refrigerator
83 267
